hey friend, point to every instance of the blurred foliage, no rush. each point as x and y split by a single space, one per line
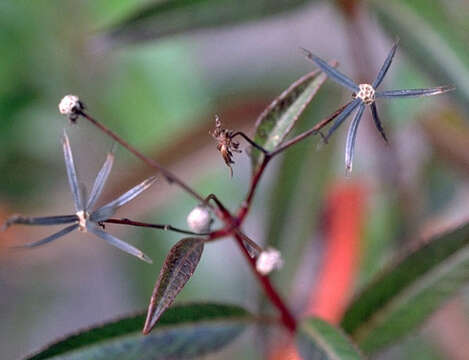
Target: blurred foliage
159 93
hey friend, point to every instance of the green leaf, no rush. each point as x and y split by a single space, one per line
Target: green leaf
277 120
317 339
401 298
297 191
177 269
166 17
183 331
438 51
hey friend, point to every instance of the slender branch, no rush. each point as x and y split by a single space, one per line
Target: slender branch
244 209
126 221
287 318
250 141
225 214
246 205
170 177
313 131
232 223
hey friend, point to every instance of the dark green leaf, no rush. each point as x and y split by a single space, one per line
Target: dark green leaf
183 331
276 121
443 58
319 340
177 269
401 298
161 18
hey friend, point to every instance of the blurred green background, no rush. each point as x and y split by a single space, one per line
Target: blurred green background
160 90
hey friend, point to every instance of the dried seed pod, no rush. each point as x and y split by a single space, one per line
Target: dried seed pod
366 94
200 219
225 143
71 106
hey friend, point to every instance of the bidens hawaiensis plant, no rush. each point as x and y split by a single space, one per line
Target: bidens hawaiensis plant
209 327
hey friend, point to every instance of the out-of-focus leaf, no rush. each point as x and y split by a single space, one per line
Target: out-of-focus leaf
177 269
317 339
401 298
277 120
166 17
183 331
448 133
297 191
440 55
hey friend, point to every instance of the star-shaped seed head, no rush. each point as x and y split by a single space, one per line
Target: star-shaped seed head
86 219
366 94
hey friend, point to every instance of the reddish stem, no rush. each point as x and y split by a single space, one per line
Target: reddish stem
231 223
150 162
287 318
243 211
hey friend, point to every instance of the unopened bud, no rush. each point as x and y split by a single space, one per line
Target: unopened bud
200 219
71 106
269 260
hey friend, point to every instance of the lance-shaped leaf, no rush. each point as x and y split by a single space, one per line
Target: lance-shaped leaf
177 269
317 339
277 120
161 18
431 42
297 190
184 331
402 297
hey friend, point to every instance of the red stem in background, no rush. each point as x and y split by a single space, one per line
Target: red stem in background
344 216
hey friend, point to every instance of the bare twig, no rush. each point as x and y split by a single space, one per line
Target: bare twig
250 141
170 177
232 223
164 227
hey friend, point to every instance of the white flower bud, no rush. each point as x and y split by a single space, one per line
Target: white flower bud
269 260
70 105
200 219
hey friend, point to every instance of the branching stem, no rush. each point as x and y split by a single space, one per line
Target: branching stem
246 205
232 223
250 141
